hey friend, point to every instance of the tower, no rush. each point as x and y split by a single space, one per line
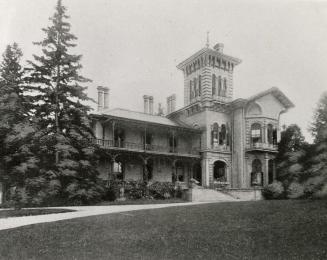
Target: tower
208 76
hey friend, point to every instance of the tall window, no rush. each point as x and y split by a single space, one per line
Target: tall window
213 84
219 86
222 137
191 90
225 88
214 134
256 133
270 133
196 90
200 85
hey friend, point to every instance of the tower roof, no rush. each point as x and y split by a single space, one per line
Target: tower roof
208 51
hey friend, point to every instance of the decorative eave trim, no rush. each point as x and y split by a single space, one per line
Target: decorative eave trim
181 65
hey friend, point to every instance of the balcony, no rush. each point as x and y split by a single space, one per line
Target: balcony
148 148
220 148
262 147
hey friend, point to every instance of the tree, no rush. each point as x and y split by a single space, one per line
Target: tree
15 126
66 151
292 152
316 184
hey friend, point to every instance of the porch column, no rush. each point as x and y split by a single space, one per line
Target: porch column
174 174
266 170
113 133
205 172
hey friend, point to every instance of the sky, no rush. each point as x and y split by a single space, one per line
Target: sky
133 46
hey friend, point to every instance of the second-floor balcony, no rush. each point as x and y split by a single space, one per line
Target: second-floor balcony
147 148
262 146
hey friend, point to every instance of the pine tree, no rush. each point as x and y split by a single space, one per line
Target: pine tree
292 152
316 184
66 151
16 129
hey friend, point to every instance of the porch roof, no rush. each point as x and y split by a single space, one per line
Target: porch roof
125 114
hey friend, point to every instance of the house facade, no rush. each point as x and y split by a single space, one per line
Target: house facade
213 138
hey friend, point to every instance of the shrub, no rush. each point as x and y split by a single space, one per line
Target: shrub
162 190
295 190
313 185
274 190
322 193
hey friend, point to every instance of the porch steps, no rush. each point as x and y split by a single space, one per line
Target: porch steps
209 195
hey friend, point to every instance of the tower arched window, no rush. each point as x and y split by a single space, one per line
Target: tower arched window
225 87
213 84
222 135
256 135
219 86
200 85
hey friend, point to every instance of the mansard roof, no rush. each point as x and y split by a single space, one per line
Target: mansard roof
210 51
125 114
276 92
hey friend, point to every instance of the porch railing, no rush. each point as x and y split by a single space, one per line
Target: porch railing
264 146
144 147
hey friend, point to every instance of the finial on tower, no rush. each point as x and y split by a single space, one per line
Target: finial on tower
207 44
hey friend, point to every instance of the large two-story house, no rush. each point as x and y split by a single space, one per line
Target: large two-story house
213 138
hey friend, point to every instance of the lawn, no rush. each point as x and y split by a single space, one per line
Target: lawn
237 230
7 213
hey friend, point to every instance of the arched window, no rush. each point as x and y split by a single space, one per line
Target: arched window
274 136
219 171
214 134
195 87
225 88
256 133
256 174
219 86
200 85
270 133
191 90
213 84
222 135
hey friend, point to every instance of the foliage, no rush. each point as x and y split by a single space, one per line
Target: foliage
17 159
292 153
274 190
162 190
64 168
295 191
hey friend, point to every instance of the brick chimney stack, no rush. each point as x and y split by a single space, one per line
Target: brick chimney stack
151 105
103 98
171 103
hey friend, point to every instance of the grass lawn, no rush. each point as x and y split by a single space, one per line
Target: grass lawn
7 213
237 230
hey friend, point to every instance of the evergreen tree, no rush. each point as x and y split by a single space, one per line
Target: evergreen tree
16 128
291 155
66 151
316 184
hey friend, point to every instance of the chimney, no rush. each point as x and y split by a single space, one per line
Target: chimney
171 103
219 47
151 105
146 104
100 98
103 98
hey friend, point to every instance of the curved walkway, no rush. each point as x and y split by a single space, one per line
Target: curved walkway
83 211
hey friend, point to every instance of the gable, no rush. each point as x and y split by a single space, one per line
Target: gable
270 105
